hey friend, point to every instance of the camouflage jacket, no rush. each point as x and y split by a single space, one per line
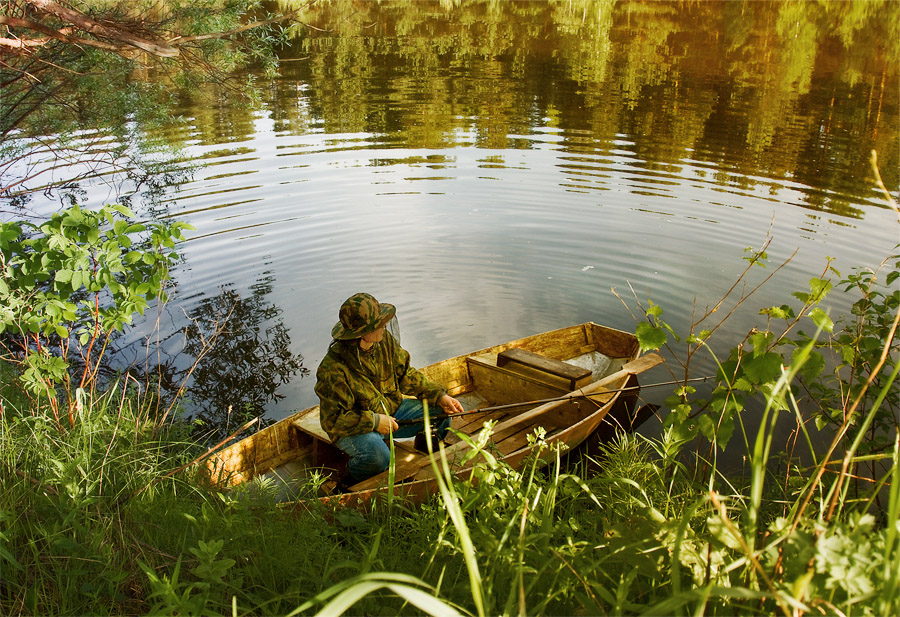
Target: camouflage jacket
353 385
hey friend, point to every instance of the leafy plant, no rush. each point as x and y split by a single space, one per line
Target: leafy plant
68 284
172 596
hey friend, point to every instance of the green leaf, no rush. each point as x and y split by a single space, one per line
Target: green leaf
764 368
682 430
726 372
123 210
650 337
654 310
849 354
707 427
726 430
743 384
755 257
760 342
821 319
868 344
9 232
722 532
779 312
813 366
819 288
682 411
699 338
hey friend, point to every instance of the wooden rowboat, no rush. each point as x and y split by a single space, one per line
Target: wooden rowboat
553 372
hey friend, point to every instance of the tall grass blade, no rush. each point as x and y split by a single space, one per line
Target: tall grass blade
392 473
347 593
763 443
890 604
444 479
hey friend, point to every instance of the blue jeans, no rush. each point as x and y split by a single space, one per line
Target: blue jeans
369 452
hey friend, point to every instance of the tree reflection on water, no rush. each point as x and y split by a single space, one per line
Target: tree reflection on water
235 355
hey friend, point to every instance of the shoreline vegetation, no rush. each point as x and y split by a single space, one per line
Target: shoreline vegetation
103 512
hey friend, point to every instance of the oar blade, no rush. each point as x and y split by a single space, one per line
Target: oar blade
643 363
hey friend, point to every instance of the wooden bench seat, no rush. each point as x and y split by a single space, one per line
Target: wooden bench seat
529 363
309 424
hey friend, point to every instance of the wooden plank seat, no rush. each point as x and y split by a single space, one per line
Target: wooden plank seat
532 364
310 425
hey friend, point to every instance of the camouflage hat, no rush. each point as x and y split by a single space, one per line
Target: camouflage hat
361 314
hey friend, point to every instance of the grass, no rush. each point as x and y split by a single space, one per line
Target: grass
79 536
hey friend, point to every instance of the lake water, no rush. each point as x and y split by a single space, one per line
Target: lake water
496 169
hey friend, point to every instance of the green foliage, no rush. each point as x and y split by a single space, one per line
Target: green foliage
799 544
654 333
175 597
70 282
855 353
61 499
832 373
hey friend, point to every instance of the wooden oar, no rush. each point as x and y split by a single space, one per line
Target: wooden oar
493 408
409 469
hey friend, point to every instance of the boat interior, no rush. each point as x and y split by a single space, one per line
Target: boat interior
493 380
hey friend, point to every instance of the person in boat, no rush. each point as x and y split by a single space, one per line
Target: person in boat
361 382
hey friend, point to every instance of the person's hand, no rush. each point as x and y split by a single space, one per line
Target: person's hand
450 405
386 424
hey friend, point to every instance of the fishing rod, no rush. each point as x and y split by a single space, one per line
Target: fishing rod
567 397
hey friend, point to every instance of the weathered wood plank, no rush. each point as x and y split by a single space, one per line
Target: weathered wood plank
542 363
501 386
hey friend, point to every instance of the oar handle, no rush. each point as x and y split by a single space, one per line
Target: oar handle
441 416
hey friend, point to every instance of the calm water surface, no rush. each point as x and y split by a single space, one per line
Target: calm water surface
497 169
